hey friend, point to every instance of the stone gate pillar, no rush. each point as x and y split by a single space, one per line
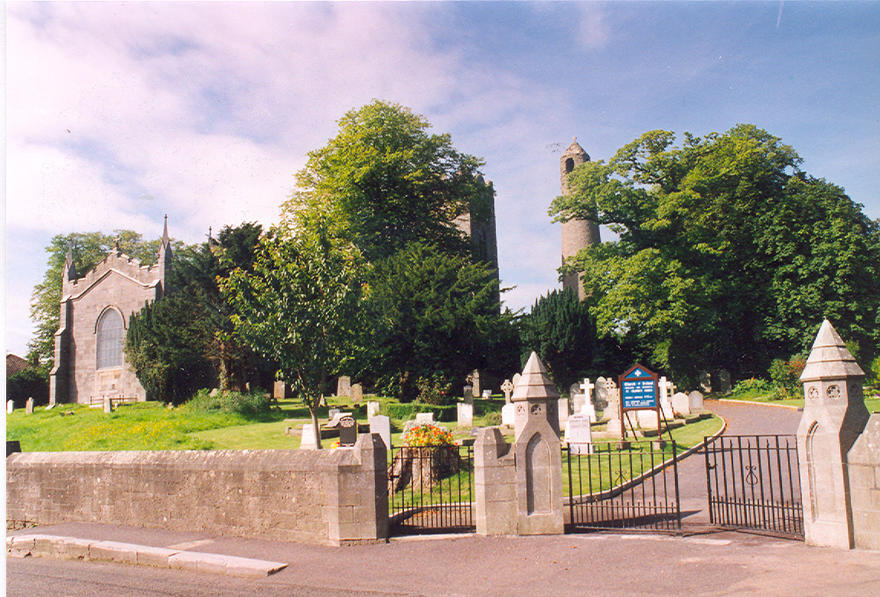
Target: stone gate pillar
537 452
834 417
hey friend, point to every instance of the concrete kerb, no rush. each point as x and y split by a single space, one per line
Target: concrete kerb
22 546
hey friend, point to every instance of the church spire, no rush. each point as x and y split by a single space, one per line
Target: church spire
165 238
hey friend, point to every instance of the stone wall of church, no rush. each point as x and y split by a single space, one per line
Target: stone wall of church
119 282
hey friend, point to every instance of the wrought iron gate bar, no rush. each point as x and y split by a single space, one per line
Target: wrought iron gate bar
758 486
623 488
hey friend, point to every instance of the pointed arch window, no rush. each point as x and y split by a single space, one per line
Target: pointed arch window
109 340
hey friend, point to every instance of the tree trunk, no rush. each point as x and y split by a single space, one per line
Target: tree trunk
313 410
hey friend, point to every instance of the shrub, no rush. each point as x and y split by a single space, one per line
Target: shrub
435 389
786 374
408 410
751 385
493 419
27 383
249 404
428 435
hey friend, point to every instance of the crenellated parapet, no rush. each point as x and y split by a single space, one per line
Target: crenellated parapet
115 261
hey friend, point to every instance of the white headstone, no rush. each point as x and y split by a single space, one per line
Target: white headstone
424 418
681 404
515 379
665 404
465 414
695 400
373 408
108 405
578 434
382 425
588 410
308 438
563 412
587 388
487 394
507 388
577 402
648 419
10 407
29 406
508 415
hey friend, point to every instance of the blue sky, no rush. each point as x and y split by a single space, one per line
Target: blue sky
119 113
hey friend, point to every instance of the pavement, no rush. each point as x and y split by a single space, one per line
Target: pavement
700 561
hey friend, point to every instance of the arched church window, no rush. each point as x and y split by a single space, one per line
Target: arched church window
109 339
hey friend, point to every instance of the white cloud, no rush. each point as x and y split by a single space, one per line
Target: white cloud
592 26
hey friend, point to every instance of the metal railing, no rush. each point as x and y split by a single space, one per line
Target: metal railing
623 487
430 489
753 482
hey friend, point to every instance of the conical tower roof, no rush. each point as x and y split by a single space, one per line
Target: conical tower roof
575 149
830 358
534 384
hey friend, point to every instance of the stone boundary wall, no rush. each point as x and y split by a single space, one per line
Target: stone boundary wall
863 469
321 496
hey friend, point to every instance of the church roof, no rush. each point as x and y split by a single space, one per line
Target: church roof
575 149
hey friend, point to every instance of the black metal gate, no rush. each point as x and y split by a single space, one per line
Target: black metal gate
618 487
753 482
430 489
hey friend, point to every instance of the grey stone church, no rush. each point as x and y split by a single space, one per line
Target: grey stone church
89 360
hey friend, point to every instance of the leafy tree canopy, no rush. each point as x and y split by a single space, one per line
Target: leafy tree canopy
728 254
383 181
298 306
87 249
430 314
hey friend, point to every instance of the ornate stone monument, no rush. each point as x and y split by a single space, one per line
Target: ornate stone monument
537 452
834 417
507 388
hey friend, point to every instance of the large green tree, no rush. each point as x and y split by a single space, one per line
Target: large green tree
87 250
429 315
384 181
298 307
728 253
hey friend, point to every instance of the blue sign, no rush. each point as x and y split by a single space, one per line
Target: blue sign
638 389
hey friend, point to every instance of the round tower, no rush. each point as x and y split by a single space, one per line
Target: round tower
576 234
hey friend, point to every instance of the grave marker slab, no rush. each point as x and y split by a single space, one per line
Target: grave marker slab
465 414
373 408
578 434
695 400
681 404
487 394
10 407
563 411
724 381
508 415
507 388
333 412
29 406
308 438
348 431
515 379
467 393
425 418
108 405
382 425
357 393
705 381
343 386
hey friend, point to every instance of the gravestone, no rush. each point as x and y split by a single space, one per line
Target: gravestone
425 418
487 394
10 407
507 388
724 381
308 438
474 380
665 404
373 408
382 425
333 412
563 411
467 394
578 434
108 405
586 388
574 389
648 419
465 414
343 386
348 431
705 381
29 406
515 379
577 402
357 393
507 415
695 400
602 397
337 417
278 391
681 404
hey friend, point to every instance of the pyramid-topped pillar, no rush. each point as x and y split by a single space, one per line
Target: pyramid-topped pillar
537 455
834 417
